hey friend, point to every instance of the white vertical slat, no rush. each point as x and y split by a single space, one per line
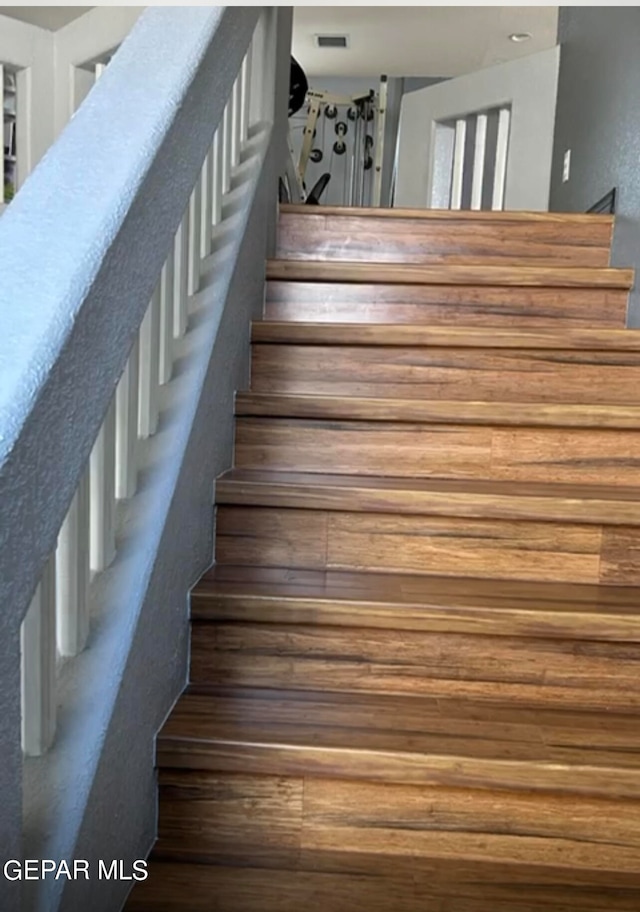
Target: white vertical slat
127 427
226 149
502 150
478 161
245 102
38 647
458 164
148 408
216 181
207 204
236 120
72 573
102 470
195 236
98 70
167 291
181 284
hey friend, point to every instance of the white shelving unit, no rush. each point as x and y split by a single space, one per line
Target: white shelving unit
9 167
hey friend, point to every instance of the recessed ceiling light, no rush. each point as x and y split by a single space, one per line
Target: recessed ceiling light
519 37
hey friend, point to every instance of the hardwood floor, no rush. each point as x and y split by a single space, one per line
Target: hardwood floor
415 660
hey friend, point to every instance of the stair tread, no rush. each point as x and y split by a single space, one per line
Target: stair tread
599 504
317 880
415 590
399 602
444 215
406 739
552 490
409 274
360 408
415 334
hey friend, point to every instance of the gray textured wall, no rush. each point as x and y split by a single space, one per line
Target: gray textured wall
598 118
101 771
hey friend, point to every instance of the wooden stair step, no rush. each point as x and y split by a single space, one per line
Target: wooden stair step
416 335
404 235
412 274
525 672
431 545
368 301
419 741
276 820
446 886
359 408
421 362
525 442
402 602
591 504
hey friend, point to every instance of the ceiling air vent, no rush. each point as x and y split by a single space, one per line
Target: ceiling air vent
332 41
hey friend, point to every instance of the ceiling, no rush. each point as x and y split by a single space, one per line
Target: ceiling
418 40
48 17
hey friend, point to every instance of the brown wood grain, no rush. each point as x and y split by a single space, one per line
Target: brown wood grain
415 661
595 505
412 274
389 335
532 672
350 236
444 546
403 740
363 408
445 305
452 373
230 815
404 602
603 222
423 450
442 886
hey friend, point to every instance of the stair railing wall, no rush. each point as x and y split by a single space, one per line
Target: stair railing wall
108 331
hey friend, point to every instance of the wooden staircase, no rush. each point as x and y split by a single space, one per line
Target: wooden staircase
415 671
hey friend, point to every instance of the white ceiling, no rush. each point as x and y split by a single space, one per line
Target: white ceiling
48 17
418 40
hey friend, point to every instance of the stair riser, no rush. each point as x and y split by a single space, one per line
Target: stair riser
570 455
446 305
447 373
560 674
353 883
321 539
280 822
544 242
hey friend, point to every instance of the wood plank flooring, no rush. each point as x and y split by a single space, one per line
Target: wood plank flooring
415 660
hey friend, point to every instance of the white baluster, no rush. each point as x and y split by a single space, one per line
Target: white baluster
502 149
195 236
458 164
72 573
236 121
207 204
181 285
148 409
127 427
226 149
167 289
216 180
245 108
478 161
38 647
102 470
98 70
